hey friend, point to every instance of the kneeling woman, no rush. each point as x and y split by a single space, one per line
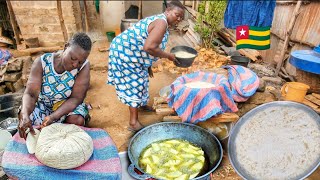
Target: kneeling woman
57 86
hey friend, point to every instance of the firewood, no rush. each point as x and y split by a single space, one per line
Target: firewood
159 100
313 99
288 34
171 119
226 117
316 95
309 103
41 49
165 111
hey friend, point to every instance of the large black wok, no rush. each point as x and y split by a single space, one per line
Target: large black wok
168 130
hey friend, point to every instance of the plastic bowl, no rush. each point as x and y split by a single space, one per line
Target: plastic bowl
184 62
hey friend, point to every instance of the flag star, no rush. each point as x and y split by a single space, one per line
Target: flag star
242 32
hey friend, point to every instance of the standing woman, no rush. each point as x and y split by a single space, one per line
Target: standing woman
132 53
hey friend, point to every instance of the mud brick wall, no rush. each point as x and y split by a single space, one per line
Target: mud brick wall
40 19
14 75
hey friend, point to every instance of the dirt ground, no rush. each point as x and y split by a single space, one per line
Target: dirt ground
111 115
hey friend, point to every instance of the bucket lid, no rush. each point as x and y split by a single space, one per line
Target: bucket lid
306 60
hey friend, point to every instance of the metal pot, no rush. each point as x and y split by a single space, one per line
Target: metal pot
126 23
184 62
9 105
250 116
168 130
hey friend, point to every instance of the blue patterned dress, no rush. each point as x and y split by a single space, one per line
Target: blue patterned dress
128 63
55 89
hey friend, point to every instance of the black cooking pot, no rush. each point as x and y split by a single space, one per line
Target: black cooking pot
184 62
240 60
173 130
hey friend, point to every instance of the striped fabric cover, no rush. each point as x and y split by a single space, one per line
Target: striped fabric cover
194 105
103 164
243 82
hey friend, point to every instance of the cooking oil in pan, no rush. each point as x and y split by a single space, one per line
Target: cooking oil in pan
173 159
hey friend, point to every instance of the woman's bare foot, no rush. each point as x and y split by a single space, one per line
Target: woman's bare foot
136 127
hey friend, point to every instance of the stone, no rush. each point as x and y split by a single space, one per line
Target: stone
14 65
262 70
262 85
2 91
261 98
273 80
9 85
26 68
12 77
244 108
18 85
22 46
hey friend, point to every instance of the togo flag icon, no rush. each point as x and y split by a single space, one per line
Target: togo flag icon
253 37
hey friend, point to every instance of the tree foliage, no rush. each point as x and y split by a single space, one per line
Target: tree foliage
209 19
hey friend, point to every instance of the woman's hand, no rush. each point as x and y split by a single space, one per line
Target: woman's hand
47 121
173 58
24 124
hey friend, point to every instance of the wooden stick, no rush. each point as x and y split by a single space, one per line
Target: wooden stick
171 119
86 15
226 117
13 22
41 49
193 13
166 111
63 26
140 10
288 34
316 95
313 99
194 5
310 104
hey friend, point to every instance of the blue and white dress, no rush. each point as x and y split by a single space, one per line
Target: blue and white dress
128 62
55 89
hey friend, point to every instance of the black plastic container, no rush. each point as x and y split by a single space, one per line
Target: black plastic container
184 62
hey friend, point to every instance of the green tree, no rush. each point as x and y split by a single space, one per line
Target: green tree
209 20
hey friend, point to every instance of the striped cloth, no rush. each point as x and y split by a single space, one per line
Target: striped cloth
103 164
194 105
243 82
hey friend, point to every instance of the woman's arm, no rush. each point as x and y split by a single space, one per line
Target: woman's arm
78 94
30 97
156 32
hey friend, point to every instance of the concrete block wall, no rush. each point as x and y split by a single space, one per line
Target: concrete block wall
40 19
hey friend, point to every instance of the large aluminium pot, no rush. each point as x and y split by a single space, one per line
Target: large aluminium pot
126 23
271 109
168 130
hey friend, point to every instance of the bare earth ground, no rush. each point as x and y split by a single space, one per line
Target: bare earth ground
111 115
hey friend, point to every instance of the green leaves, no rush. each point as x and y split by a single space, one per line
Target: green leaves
209 21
